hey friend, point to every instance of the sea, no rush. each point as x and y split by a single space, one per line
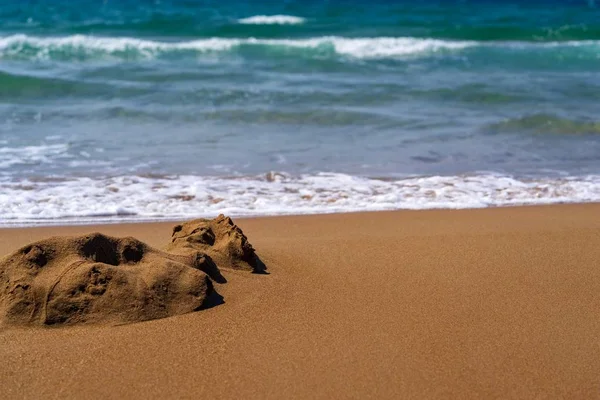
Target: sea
141 110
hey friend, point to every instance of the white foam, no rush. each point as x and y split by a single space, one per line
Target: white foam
21 45
389 47
143 198
272 20
376 47
11 156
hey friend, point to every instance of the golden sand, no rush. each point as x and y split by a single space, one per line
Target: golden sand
494 303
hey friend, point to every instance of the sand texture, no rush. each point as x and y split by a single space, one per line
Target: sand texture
220 239
494 303
96 278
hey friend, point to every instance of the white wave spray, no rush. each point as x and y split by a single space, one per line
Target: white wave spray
82 45
272 20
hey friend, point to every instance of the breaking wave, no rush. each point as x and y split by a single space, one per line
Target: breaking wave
82 47
272 20
170 197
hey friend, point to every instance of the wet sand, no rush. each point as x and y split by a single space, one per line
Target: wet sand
411 304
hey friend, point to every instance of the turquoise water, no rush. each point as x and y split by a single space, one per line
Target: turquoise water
260 108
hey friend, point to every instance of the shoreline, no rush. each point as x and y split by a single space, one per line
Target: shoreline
494 302
174 220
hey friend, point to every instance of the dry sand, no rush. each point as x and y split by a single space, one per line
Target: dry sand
430 304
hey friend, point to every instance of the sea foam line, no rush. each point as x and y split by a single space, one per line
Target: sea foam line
145 198
43 47
272 20
35 47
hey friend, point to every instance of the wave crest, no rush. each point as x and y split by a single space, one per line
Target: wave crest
82 47
272 20
546 124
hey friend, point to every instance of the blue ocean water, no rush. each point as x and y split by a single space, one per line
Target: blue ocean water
135 109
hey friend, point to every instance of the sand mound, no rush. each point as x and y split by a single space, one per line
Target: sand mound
97 278
220 239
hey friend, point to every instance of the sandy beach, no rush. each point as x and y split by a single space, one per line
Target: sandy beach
491 303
